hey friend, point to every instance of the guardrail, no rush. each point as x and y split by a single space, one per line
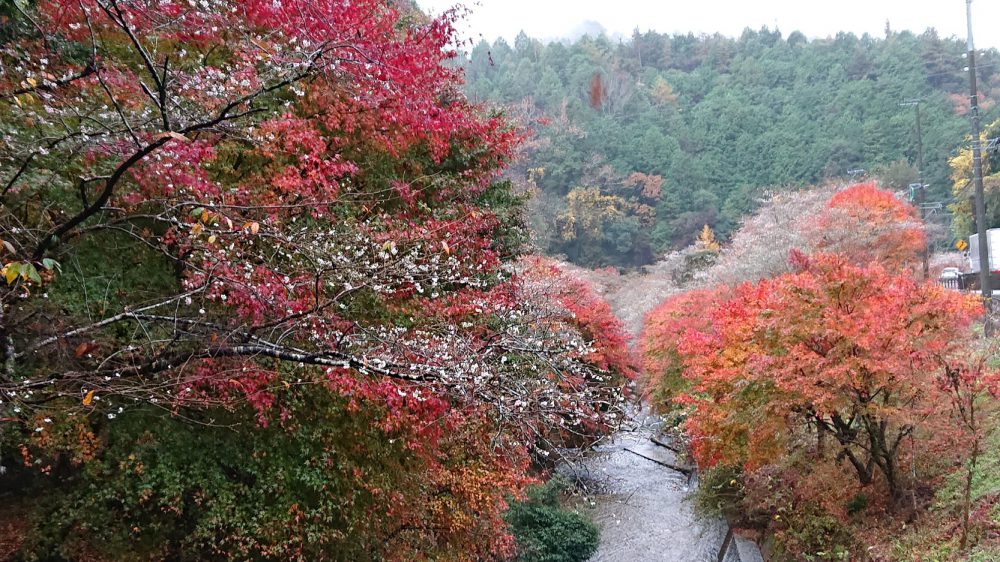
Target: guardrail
954 283
969 281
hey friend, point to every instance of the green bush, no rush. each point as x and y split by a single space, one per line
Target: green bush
165 488
857 504
811 534
546 531
719 492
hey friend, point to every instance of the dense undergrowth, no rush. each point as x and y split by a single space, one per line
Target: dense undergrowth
547 529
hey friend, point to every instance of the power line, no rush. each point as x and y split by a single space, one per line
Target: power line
921 186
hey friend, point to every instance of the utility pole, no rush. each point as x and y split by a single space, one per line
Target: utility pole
977 171
919 195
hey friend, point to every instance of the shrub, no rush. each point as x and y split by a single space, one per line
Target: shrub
546 531
326 481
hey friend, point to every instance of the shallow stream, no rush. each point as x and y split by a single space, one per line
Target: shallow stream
641 506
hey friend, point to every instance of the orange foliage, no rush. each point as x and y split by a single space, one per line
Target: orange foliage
662 330
458 504
866 224
650 185
852 349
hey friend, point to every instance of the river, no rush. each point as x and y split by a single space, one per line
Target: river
640 505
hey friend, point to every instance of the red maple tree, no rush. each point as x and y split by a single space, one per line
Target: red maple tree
273 195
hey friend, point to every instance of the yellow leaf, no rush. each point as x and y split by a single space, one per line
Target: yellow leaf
88 398
211 239
446 247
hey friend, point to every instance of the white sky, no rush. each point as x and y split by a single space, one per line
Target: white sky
548 19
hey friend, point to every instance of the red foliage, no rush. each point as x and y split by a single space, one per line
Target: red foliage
662 331
866 224
597 92
309 173
587 311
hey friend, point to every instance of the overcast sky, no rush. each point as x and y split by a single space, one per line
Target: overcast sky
548 19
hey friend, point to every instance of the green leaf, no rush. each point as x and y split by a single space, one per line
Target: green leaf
198 212
50 264
29 271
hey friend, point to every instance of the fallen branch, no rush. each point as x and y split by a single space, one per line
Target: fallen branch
666 445
686 470
724 549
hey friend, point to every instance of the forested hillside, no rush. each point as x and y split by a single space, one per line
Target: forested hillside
640 143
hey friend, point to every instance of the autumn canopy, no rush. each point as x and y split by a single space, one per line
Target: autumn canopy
281 222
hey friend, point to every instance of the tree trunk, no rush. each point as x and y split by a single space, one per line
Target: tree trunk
820 439
888 467
864 470
6 347
845 434
967 494
883 455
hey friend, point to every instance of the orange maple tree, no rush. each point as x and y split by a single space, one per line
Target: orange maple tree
866 224
663 365
849 350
